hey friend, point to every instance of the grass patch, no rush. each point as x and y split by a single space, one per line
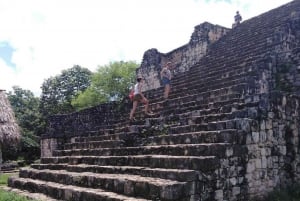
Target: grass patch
10 196
4 178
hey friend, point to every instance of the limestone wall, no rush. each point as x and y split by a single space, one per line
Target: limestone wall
273 155
86 120
273 144
182 58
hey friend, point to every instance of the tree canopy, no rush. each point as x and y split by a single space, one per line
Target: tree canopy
110 83
30 120
58 91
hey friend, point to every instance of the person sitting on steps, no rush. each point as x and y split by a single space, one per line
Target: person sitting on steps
166 77
139 97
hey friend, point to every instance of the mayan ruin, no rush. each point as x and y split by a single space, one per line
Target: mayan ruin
229 131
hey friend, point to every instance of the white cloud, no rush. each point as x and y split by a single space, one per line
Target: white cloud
52 35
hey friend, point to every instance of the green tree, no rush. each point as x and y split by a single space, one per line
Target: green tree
30 120
109 83
58 91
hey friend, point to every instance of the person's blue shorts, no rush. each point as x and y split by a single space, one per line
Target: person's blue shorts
165 81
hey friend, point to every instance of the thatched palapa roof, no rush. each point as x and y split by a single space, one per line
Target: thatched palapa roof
9 129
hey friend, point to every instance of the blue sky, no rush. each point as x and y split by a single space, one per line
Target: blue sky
39 38
6 52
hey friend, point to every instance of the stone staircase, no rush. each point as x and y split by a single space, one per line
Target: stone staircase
194 148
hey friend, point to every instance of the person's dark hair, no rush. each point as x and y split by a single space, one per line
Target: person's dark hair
138 79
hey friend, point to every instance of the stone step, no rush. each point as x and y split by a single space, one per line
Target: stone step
95 144
221 136
104 129
132 138
171 105
226 136
200 119
197 76
191 99
208 115
171 174
180 106
190 88
212 95
141 132
218 65
192 109
222 70
99 137
212 78
244 124
222 54
209 149
146 187
202 104
126 128
209 96
201 163
109 131
194 90
215 75
68 192
180 109
195 106
232 52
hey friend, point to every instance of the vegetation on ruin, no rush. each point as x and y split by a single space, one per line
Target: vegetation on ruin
290 193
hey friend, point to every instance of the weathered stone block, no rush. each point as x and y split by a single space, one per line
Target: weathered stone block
255 137
219 195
